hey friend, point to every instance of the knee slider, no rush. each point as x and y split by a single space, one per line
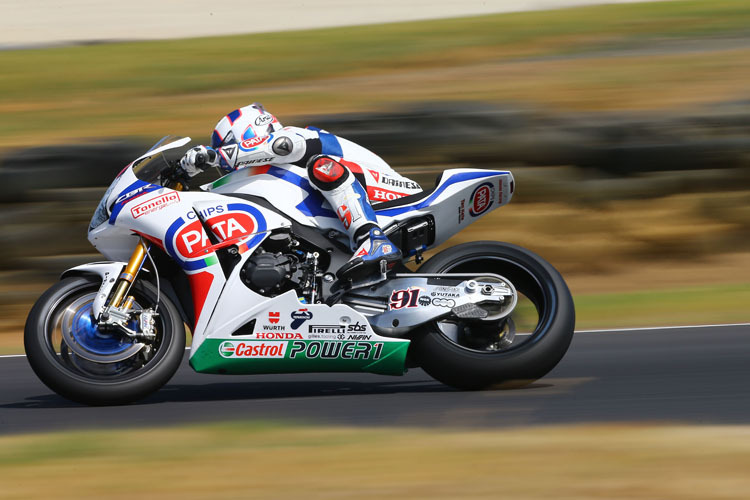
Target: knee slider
326 173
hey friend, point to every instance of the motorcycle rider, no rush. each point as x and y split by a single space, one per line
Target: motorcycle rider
346 174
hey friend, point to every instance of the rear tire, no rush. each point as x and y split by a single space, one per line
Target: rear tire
89 382
465 367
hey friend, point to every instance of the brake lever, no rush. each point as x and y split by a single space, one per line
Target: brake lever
177 178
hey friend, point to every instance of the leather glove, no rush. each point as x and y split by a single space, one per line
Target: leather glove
197 159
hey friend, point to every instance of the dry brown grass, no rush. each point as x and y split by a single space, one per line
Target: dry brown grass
638 82
252 461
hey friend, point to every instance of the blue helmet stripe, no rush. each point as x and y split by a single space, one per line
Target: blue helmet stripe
233 116
215 140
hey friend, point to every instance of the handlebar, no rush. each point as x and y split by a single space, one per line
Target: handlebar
176 178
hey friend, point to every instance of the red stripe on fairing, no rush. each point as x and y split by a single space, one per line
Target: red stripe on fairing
256 170
375 193
200 284
262 169
124 169
354 167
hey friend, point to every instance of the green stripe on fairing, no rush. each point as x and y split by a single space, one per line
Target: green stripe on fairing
207 359
230 177
220 182
400 353
210 261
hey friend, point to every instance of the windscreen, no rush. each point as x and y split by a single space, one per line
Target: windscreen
152 168
166 154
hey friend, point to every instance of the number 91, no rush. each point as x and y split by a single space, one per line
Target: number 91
404 298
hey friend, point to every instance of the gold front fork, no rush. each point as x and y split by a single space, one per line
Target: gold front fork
128 274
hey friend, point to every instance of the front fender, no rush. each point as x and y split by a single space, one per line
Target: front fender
107 271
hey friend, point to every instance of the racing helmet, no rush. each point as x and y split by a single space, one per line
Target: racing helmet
244 124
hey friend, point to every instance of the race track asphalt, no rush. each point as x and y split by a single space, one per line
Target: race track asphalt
685 375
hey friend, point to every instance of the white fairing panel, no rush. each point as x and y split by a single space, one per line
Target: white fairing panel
287 188
177 222
461 197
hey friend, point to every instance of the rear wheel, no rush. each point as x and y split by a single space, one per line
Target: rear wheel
514 350
81 362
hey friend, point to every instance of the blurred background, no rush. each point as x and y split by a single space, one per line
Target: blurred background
626 125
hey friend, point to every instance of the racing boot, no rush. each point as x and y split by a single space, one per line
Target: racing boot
375 255
374 252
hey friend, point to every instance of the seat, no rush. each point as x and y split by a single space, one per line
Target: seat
407 200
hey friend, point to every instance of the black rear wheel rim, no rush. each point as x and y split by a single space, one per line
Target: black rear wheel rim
527 323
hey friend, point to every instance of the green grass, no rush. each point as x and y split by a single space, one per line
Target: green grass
174 67
698 305
111 89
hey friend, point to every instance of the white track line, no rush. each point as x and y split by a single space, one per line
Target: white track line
23 355
611 330
651 328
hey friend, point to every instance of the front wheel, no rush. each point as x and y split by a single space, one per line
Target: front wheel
514 350
103 368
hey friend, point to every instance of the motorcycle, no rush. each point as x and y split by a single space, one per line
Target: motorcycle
248 263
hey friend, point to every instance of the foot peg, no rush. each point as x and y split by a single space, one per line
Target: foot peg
470 311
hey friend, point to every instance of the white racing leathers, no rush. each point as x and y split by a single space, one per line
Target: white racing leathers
294 145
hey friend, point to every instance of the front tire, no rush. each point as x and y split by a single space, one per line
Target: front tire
100 383
466 360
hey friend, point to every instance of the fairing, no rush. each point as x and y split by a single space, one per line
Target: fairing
303 337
